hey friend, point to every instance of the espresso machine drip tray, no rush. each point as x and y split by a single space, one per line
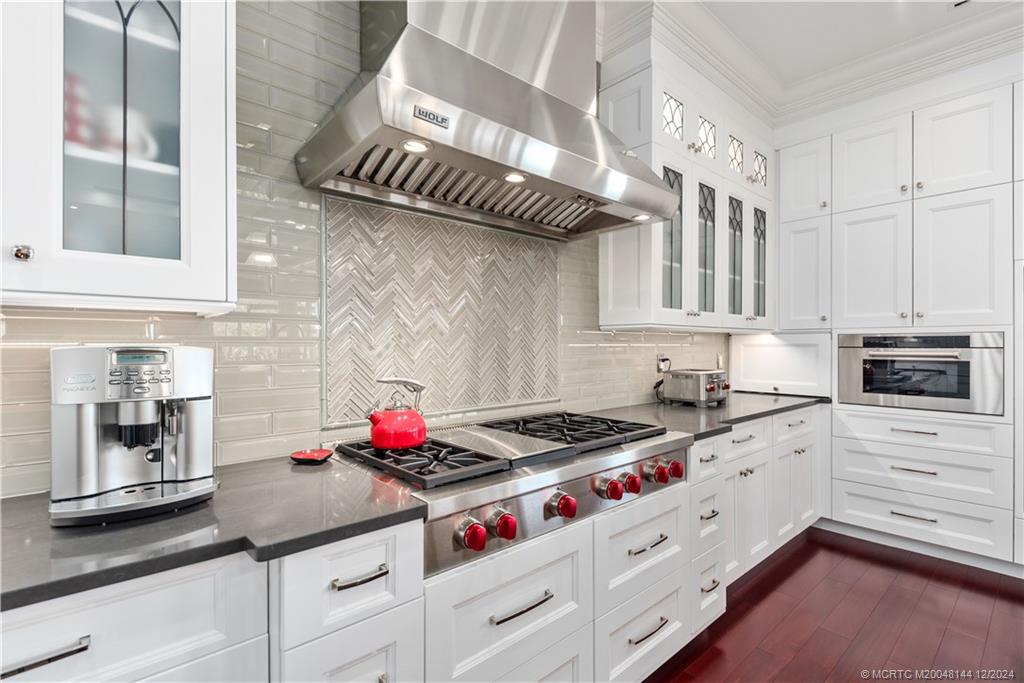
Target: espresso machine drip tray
131 502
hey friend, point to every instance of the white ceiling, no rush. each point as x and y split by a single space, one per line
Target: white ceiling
800 40
790 59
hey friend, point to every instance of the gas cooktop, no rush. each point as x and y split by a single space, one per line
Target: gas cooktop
432 464
583 432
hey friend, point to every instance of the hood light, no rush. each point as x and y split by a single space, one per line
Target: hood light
640 217
416 146
514 177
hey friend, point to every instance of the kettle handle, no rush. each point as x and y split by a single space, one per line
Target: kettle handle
408 384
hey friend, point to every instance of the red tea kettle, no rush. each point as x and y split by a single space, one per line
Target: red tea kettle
398 426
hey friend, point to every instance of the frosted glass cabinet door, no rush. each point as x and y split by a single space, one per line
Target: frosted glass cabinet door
130 141
964 143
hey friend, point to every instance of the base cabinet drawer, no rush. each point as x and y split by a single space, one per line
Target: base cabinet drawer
486 617
981 479
242 663
638 544
709 513
705 459
330 587
746 438
570 660
972 528
385 648
707 588
140 627
637 637
797 424
961 436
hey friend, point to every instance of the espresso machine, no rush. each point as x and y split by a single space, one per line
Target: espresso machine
131 431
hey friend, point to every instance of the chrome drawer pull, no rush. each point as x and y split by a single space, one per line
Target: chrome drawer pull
912 431
710 515
796 424
661 625
745 439
710 458
339 585
911 469
81 646
498 621
923 519
640 551
714 585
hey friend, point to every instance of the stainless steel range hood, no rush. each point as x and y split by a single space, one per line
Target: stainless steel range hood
479 91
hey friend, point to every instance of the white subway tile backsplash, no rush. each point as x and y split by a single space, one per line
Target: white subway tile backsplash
22 479
268 72
24 418
243 426
297 376
296 421
24 358
242 377
263 400
24 449
265 447
22 387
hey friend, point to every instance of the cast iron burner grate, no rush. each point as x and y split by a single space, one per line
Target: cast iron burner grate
584 432
433 464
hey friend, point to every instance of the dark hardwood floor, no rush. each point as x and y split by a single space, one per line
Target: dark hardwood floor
826 607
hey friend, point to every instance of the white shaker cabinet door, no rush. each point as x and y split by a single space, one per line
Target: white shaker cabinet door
805 180
805 274
872 261
871 165
963 263
964 143
1018 130
753 507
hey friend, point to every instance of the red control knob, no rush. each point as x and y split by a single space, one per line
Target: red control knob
505 526
726 386
675 469
711 387
611 488
563 505
631 483
472 535
658 473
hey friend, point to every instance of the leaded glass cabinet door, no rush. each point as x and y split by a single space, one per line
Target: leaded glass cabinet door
760 264
736 275
708 237
133 147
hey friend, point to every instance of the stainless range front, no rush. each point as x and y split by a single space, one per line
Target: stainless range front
952 372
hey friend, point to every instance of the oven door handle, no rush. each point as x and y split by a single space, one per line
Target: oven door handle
916 355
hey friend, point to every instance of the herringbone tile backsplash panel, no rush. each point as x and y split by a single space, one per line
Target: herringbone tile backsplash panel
471 313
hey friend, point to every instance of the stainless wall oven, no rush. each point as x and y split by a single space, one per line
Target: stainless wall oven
960 373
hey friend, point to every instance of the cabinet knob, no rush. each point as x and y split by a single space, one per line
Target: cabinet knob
823 204
23 252
824 318
692 147
919 314
904 188
903 314
919 185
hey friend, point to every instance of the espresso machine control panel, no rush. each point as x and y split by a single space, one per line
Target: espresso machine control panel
139 373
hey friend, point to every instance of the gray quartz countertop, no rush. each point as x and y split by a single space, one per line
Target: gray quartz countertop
707 422
269 509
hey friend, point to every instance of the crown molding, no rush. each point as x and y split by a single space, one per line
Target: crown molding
700 39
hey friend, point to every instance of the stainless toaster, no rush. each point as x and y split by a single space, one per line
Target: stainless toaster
698 387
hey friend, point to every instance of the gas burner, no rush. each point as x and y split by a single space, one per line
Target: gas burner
584 432
432 464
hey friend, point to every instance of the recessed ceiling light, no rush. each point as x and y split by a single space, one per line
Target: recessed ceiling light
642 217
515 177
416 146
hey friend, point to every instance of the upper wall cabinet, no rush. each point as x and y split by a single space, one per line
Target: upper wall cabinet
1018 130
964 143
118 164
805 280
872 164
963 273
805 184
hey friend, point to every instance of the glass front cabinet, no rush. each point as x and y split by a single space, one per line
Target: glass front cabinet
118 163
710 266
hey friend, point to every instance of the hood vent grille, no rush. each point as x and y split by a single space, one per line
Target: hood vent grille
391 168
